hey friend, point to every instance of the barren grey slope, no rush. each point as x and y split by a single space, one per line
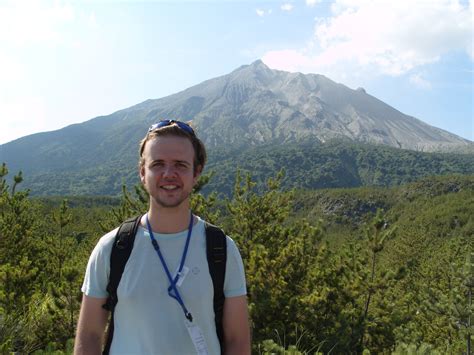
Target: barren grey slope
255 104
252 105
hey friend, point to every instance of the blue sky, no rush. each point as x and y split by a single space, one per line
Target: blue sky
67 62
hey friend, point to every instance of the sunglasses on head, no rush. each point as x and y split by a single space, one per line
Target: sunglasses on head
184 126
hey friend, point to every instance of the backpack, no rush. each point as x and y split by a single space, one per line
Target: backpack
216 249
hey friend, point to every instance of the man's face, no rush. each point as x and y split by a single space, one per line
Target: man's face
168 174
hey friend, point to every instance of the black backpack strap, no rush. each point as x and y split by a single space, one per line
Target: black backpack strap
121 251
216 246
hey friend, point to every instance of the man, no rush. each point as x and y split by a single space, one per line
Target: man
153 314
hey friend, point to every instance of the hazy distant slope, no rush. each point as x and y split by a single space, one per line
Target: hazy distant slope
307 165
252 105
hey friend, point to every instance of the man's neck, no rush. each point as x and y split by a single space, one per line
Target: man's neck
168 220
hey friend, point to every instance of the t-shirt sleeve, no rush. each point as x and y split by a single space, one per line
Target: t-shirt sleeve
98 267
234 283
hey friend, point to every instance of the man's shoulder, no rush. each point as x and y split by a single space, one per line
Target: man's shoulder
207 223
107 240
109 237
230 242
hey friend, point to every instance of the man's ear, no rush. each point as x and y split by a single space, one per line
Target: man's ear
197 174
141 171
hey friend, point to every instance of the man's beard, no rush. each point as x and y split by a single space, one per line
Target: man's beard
173 204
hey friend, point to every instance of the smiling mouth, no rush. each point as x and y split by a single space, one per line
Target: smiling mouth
169 187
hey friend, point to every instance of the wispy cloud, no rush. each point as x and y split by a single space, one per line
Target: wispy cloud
262 12
378 37
287 7
92 21
312 3
417 80
25 26
26 22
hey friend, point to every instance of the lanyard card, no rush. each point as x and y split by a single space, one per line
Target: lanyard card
197 338
181 275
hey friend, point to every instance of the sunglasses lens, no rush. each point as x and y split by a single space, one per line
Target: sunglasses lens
185 127
152 127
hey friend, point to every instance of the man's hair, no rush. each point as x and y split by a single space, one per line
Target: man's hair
200 155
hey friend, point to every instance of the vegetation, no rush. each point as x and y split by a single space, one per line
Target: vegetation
311 165
335 164
361 270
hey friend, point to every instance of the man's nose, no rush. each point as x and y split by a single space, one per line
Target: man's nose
169 170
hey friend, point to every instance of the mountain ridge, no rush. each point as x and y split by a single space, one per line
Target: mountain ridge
251 106
324 99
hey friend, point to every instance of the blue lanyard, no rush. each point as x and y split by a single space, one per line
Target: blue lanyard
172 288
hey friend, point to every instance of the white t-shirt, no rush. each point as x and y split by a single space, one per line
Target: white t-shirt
147 319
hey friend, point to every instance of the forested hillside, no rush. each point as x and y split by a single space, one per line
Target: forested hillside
337 163
251 106
308 164
368 269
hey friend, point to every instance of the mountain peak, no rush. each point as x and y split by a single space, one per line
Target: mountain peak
257 73
255 66
258 63
253 105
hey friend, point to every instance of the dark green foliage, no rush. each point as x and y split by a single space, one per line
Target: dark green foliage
335 164
385 270
17 271
308 165
278 257
43 252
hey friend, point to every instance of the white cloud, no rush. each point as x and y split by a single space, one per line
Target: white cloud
24 25
32 32
287 7
23 22
10 71
262 12
417 80
92 21
380 37
311 3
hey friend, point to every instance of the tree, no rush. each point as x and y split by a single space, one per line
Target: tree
279 257
18 273
377 232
